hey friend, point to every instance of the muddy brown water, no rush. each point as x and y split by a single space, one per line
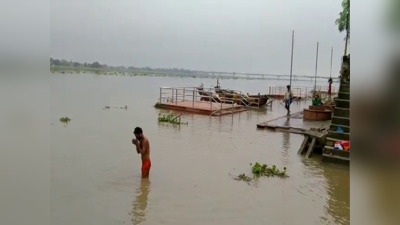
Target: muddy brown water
95 171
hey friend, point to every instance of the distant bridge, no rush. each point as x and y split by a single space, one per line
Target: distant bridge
206 74
257 76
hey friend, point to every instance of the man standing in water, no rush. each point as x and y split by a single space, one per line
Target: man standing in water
143 148
288 99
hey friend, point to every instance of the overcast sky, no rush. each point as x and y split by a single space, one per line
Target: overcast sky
213 35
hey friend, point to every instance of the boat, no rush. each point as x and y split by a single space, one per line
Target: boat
258 100
232 97
202 92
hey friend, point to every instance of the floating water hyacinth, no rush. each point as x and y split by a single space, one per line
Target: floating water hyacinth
170 118
262 170
65 120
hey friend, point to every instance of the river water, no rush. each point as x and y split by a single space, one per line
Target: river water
95 171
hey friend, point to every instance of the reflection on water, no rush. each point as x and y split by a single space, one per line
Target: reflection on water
95 169
286 141
338 188
140 204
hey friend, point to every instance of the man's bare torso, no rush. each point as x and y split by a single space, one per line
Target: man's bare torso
144 144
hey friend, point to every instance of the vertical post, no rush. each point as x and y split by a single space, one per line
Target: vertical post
291 60
193 98
160 94
330 73
232 107
316 69
172 93
301 91
176 96
291 67
184 92
210 100
220 109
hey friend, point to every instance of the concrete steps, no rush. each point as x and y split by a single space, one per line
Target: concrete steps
334 127
331 152
343 103
340 118
344 87
341 112
344 95
330 141
337 135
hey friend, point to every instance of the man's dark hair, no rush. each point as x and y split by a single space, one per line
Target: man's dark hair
138 130
288 86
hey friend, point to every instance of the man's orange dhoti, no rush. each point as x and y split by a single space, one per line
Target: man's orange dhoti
146 165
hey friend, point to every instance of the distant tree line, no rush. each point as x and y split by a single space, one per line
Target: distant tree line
63 62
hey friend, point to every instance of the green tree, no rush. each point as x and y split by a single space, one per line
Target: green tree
96 65
343 22
393 15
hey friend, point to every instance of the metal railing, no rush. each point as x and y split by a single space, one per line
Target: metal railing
174 95
301 91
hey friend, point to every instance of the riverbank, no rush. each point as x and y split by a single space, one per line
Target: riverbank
150 73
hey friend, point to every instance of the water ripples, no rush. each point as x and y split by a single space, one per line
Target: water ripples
192 165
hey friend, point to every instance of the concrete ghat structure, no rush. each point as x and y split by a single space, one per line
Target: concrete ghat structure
341 118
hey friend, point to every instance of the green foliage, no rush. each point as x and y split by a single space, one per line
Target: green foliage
343 21
65 120
170 118
263 170
393 15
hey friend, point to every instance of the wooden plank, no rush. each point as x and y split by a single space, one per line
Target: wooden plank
316 134
176 117
265 124
311 147
303 145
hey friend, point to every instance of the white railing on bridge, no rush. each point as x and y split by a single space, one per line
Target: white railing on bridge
302 91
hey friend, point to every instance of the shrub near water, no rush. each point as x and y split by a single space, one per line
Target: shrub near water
169 118
263 170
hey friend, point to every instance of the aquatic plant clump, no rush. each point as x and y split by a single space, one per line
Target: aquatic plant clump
65 119
263 170
243 177
170 118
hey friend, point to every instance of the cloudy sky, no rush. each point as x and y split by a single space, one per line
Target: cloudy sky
213 35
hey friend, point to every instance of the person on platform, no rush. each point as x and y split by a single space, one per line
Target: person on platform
143 148
288 99
330 81
316 100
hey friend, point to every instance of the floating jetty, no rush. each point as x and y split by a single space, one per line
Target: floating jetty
188 99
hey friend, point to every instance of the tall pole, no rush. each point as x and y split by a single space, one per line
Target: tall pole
330 73
291 61
291 70
330 78
316 69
